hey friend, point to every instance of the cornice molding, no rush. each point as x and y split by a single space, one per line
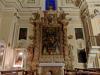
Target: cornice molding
19 6
5 9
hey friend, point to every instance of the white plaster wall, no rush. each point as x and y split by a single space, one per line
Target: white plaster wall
8 58
7 26
0 25
7 21
96 26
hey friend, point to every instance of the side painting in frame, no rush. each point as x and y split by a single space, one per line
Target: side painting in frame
18 59
51 40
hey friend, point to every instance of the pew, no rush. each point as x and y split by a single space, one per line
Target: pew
12 72
67 72
83 72
17 72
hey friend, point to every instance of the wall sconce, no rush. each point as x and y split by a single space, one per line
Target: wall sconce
96 12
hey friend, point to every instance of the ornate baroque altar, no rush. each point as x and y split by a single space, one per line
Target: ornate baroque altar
49 39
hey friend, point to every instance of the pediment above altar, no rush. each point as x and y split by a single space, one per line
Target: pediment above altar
50 17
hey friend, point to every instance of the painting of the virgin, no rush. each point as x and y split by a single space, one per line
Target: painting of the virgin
50 40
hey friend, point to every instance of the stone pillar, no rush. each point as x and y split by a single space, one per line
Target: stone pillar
43 4
62 70
37 44
39 70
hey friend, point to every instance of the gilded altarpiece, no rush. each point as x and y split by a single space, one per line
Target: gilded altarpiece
50 38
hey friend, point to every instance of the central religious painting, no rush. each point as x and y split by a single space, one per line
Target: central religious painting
51 40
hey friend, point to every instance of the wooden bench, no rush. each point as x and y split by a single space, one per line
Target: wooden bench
83 72
12 72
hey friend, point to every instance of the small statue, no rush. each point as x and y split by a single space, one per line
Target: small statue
51 11
50 8
51 14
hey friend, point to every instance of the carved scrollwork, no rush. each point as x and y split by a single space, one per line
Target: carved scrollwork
36 15
50 17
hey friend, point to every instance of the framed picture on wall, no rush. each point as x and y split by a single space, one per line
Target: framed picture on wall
82 56
23 33
79 33
51 40
18 58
